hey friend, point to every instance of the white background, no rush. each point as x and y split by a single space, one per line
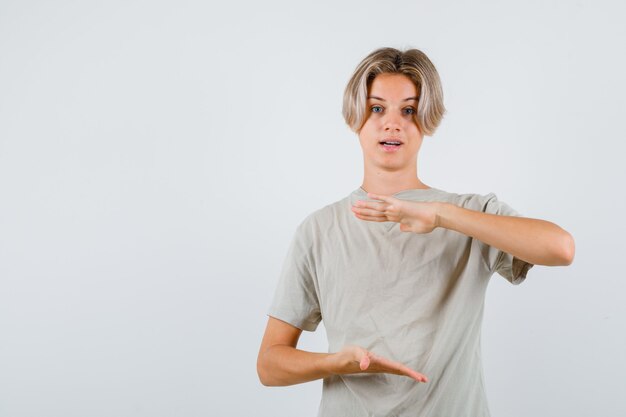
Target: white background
156 157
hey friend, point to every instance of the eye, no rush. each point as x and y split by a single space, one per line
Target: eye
409 110
377 109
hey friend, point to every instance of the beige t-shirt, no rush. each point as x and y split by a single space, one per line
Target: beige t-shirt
414 298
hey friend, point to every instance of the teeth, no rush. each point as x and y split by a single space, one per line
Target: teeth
391 143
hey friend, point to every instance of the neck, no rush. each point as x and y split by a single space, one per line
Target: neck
379 181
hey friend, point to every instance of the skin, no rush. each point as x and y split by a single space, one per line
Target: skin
387 173
533 240
537 241
279 362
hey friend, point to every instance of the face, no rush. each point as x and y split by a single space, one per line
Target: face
391 105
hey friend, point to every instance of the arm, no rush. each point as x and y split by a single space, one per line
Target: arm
537 241
279 362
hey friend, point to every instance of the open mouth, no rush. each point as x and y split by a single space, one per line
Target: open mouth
391 145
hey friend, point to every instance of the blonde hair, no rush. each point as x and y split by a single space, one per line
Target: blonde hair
414 64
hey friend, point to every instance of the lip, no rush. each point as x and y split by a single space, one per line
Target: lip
390 149
391 139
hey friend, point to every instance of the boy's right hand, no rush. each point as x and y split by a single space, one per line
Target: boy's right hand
354 359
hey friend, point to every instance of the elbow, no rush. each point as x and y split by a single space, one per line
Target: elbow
264 379
262 372
568 249
268 379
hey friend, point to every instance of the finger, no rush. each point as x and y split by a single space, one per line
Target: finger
371 205
413 374
386 198
372 218
388 363
405 370
416 375
368 212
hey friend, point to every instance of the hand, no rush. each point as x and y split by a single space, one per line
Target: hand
413 216
354 359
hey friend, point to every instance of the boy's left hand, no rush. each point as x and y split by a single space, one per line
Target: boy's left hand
413 216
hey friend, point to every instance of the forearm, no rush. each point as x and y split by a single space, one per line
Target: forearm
537 241
282 365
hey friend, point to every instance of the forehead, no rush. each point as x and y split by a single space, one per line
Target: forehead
392 87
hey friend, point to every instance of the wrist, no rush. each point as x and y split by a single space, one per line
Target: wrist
440 214
328 364
445 215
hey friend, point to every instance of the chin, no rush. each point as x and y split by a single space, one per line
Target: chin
390 165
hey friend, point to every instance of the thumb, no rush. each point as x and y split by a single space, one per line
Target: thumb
365 362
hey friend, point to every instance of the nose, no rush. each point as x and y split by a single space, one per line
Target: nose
392 122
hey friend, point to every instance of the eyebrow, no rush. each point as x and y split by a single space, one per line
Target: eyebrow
382 99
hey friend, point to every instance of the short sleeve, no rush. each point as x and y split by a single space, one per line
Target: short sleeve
505 264
296 299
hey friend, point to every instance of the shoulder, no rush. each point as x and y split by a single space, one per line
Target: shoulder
322 219
473 201
487 203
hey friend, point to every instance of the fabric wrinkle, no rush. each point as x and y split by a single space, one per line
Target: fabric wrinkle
417 299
